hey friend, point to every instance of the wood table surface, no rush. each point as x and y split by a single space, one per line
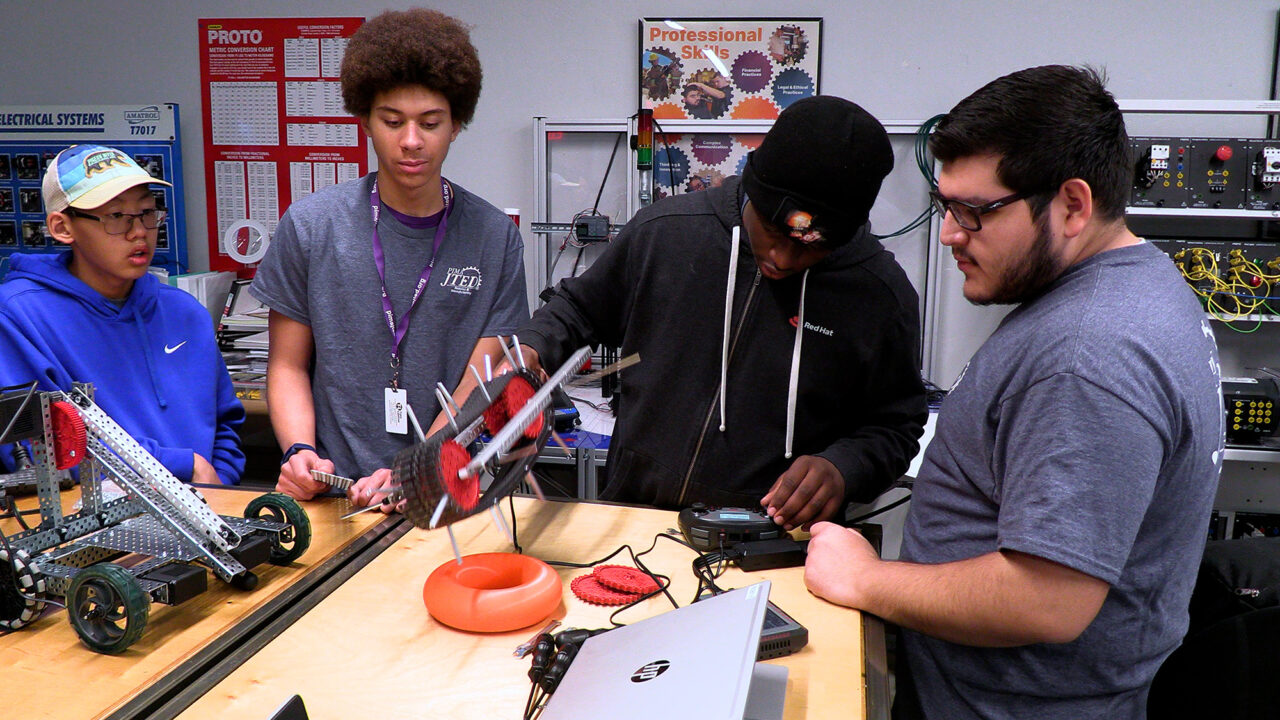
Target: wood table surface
46 672
370 649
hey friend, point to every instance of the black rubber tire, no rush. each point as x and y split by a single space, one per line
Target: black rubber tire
107 607
246 580
278 507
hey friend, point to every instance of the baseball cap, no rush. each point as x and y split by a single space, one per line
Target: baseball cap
88 176
819 169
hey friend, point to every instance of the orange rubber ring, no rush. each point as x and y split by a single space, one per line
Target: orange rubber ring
492 592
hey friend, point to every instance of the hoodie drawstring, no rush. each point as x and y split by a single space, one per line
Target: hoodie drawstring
151 365
728 317
793 381
795 369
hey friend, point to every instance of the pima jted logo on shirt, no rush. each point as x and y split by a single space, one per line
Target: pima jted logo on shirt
462 281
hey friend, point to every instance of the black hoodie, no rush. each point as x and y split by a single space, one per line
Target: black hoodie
660 290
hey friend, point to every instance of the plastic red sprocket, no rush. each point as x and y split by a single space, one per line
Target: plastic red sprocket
625 579
514 396
70 443
588 589
454 457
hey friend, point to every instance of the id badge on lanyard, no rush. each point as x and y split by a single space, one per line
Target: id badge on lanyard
395 399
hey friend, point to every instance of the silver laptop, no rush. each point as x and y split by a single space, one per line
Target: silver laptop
696 662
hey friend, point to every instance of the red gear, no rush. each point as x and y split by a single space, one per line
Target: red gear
588 589
625 579
514 396
69 440
454 457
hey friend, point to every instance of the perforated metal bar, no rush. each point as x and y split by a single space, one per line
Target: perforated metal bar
157 505
147 477
506 437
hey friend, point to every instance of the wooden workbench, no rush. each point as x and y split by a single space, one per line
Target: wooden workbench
47 673
370 650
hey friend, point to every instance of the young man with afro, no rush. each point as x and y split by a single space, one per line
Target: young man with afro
384 286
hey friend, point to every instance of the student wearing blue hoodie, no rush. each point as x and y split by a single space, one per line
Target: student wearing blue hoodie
94 314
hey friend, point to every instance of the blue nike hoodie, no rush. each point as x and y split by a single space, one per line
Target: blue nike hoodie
154 363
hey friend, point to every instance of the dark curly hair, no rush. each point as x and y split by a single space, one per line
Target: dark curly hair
412 47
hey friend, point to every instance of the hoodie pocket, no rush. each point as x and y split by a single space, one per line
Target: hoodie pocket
637 478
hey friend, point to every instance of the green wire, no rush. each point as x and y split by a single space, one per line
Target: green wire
925 164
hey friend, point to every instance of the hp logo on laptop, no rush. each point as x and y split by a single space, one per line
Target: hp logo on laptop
650 671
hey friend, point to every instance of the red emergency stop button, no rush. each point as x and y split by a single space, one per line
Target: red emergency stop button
1224 153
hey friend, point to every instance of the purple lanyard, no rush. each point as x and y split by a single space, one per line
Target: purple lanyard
398 330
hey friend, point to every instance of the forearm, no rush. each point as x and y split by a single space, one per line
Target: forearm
590 309
1001 599
490 347
290 405
556 330
873 458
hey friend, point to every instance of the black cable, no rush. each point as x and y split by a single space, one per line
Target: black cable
551 274
577 261
595 208
663 581
877 511
9 509
671 166
598 407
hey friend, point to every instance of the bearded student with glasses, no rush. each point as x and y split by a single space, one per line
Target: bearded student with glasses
94 314
1058 519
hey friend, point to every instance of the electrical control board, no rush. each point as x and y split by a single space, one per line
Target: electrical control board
1205 173
1213 205
1252 406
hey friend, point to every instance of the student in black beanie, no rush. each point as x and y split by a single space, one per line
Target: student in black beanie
778 339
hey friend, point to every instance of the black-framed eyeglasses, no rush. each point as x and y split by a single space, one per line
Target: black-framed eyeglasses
118 223
967 215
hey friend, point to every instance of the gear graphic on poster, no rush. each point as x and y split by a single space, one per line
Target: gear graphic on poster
670 167
788 45
703 179
790 86
711 149
752 71
755 108
659 79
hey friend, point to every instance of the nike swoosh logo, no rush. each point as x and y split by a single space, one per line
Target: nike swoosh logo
169 350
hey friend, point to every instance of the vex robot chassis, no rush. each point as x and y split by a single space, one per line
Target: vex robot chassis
159 526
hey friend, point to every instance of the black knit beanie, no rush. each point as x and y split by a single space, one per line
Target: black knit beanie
819 169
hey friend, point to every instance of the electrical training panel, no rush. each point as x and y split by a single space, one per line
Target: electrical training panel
1213 205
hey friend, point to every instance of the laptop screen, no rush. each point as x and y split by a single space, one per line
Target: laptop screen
692 662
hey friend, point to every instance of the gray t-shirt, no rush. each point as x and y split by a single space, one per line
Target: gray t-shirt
320 271
1087 430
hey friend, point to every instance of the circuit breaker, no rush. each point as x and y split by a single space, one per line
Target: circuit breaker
1262 192
1160 173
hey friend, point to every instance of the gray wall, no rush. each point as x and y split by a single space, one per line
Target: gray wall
903 61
